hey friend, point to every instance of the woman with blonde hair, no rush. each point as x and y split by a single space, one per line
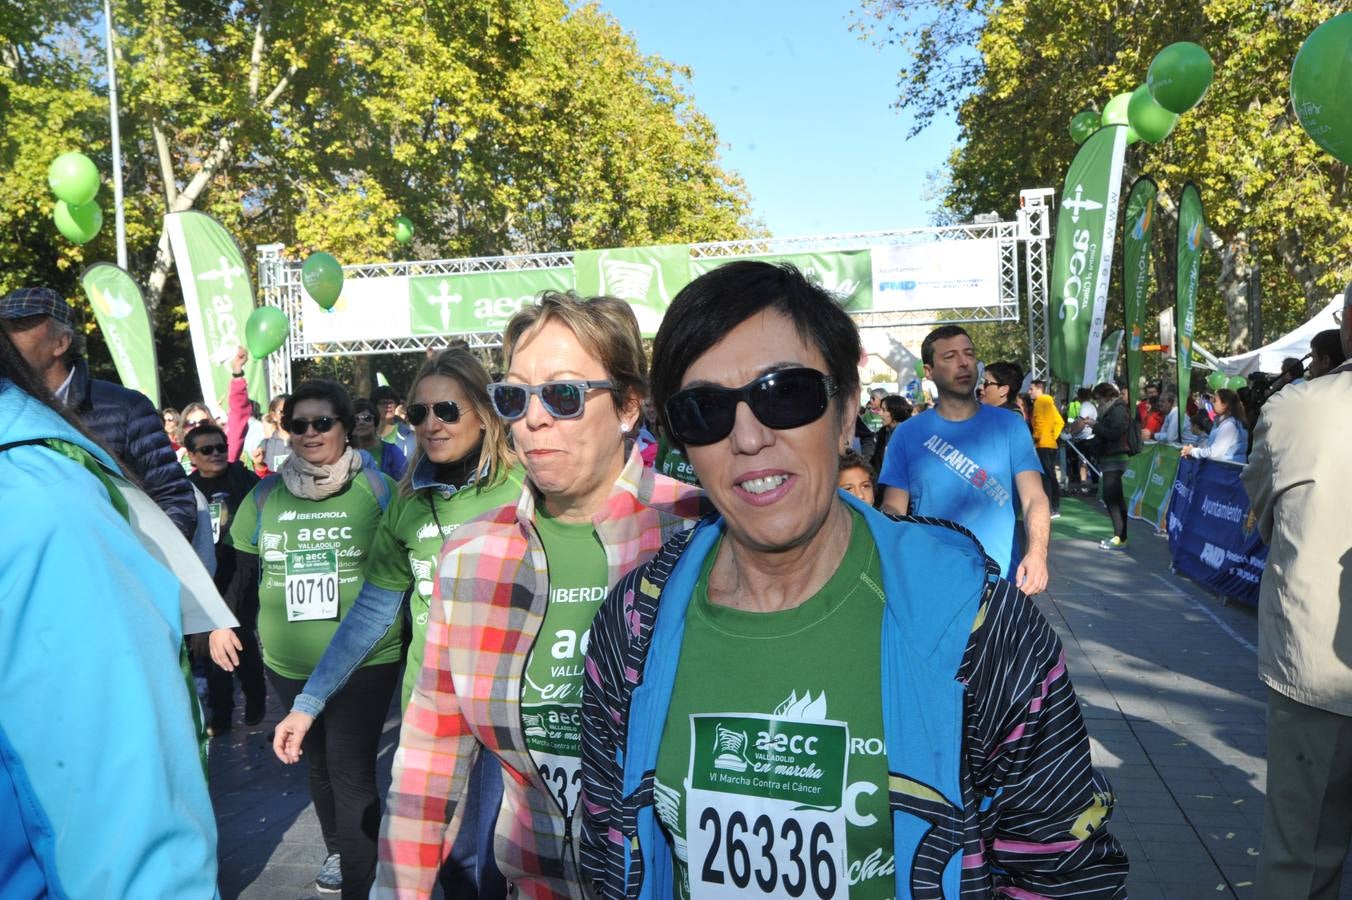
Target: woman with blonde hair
461 467
516 591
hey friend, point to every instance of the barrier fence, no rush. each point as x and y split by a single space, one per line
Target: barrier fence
1212 538
1203 506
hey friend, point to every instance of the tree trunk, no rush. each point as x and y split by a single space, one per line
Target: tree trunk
1233 284
1291 251
362 385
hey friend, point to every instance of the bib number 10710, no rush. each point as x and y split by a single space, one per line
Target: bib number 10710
311 585
781 856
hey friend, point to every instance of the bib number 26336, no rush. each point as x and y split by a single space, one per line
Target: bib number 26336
311 585
764 812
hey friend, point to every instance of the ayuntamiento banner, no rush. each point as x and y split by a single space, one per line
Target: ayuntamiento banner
1137 232
218 299
1083 259
1211 538
1191 235
120 311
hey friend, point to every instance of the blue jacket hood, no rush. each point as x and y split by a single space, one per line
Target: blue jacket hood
25 418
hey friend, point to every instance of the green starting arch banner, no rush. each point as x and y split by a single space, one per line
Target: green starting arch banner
912 277
934 275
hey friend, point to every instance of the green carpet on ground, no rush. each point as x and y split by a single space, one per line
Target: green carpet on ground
1083 518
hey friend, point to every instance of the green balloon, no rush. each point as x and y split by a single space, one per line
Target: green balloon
403 229
1115 113
1179 76
1321 86
1235 382
1148 119
1083 124
322 277
78 224
265 331
74 178
1215 380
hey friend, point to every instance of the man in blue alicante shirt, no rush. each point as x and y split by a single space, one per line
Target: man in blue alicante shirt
970 463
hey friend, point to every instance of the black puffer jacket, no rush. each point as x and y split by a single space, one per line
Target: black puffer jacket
128 424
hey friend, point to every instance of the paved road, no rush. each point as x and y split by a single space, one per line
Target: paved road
1166 674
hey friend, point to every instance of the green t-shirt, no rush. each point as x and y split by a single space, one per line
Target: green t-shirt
408 544
551 697
311 555
673 463
772 772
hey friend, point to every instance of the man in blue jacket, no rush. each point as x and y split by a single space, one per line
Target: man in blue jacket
40 325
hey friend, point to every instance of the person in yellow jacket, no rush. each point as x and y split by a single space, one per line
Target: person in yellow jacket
1047 425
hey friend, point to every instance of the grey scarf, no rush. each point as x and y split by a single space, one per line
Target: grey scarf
311 482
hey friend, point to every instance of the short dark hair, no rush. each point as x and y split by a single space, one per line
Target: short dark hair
1329 343
942 333
851 459
1007 375
1293 366
322 389
897 407
1084 394
385 394
718 301
194 437
1106 390
1040 382
361 405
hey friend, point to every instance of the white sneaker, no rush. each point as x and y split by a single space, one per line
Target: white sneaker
330 877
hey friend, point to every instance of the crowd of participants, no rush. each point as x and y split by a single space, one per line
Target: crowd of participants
587 578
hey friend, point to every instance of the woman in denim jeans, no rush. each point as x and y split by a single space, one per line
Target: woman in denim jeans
461 467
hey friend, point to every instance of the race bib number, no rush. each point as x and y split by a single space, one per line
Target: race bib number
562 776
554 734
217 513
765 812
311 585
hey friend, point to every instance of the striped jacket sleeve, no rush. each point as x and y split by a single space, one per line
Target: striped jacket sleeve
1045 829
620 636
604 711
436 752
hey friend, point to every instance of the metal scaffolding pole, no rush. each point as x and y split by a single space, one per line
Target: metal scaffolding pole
1034 220
120 218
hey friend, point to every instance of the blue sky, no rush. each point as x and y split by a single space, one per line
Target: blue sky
803 108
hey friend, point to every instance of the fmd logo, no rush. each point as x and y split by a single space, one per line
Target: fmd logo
1213 556
1143 223
1195 236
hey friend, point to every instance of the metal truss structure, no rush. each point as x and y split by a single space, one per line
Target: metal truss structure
1034 230
280 285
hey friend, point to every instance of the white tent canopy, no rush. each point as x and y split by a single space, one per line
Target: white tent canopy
1294 343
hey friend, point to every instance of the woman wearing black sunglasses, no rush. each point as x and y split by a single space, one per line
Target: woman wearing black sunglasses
518 587
461 468
302 537
388 457
805 697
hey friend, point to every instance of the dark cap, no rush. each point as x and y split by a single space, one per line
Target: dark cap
35 301
385 394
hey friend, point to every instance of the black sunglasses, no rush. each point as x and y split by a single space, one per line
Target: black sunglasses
445 410
561 399
322 425
366 417
789 398
210 449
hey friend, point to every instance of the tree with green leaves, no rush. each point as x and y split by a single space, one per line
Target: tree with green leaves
1016 72
497 126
